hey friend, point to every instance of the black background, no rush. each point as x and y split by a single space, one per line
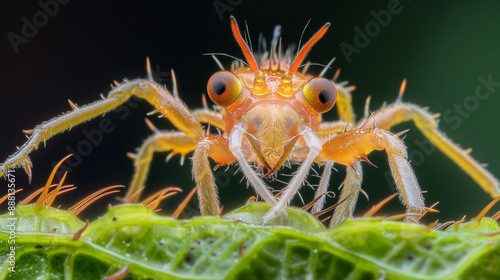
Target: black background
441 49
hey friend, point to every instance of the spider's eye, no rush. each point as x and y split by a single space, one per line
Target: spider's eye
224 88
320 93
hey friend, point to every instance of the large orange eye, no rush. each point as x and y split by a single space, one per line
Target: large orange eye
320 93
224 88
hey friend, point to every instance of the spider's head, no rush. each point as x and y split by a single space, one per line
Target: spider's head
247 87
274 104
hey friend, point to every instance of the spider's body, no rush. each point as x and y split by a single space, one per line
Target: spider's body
271 113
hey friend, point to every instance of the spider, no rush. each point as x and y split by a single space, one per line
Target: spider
270 114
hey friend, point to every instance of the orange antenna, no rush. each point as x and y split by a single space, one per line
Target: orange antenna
259 83
286 79
244 47
305 49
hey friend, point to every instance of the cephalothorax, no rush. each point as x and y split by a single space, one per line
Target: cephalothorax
271 113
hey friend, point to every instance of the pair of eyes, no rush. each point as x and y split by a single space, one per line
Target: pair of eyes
224 88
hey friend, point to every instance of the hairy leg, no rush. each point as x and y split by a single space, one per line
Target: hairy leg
162 141
326 131
401 112
344 99
211 117
168 106
322 187
235 145
216 147
351 145
175 141
314 144
349 195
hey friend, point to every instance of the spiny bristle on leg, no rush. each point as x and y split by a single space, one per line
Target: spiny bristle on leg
4 198
80 206
401 91
184 203
379 205
315 200
148 69
49 181
154 200
481 215
330 208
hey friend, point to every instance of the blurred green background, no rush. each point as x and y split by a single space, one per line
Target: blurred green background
441 48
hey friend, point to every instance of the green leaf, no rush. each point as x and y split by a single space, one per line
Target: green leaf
237 246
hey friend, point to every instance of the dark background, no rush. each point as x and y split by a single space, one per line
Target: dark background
441 48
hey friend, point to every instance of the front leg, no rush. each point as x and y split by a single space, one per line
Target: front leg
162 141
349 195
158 96
235 145
223 151
314 144
352 145
46 130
